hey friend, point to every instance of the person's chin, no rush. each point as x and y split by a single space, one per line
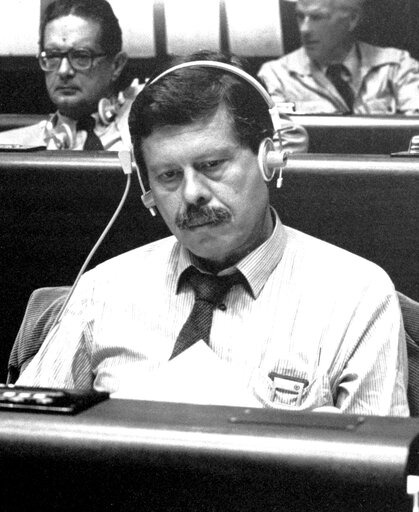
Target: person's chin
68 105
312 51
206 241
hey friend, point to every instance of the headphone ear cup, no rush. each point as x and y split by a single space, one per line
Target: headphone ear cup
62 135
106 111
265 147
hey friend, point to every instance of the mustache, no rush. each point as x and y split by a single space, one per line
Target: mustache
195 215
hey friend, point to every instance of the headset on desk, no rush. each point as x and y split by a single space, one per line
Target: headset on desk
63 135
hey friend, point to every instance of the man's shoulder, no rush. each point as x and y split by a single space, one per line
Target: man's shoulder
335 263
381 55
146 258
32 135
293 60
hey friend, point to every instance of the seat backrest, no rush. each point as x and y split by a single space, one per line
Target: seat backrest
410 312
41 311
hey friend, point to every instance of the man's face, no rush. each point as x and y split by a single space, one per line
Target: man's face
208 189
77 93
325 28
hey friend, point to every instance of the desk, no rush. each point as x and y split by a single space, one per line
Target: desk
160 456
358 134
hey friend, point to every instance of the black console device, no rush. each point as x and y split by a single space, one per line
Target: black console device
48 400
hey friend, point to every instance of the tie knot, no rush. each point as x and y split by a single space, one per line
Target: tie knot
86 123
208 287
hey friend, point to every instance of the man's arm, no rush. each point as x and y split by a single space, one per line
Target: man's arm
63 361
374 377
269 74
294 137
406 85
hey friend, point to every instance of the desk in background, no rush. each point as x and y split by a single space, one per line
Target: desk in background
327 133
358 134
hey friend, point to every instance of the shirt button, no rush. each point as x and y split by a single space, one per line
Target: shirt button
222 307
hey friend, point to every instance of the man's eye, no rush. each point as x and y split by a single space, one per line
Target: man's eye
168 176
80 54
210 165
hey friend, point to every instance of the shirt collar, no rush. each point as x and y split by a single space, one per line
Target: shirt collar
352 61
303 65
256 267
59 119
366 55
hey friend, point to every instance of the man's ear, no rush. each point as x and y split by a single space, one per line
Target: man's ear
118 64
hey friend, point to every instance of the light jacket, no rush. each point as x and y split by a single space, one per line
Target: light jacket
387 82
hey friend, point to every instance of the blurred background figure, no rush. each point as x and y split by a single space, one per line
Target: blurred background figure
81 55
334 72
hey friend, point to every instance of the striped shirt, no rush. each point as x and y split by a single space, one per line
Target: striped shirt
312 313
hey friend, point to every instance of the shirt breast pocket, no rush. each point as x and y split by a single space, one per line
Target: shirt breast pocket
316 393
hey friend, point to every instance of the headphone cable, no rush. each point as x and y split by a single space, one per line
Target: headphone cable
126 166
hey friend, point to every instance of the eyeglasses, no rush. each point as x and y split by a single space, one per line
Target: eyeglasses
79 59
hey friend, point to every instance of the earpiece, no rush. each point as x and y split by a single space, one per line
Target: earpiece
107 110
62 135
146 196
271 157
271 161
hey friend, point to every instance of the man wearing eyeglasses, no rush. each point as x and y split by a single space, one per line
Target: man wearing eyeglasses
81 55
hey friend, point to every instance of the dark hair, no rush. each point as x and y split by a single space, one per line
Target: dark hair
191 94
96 10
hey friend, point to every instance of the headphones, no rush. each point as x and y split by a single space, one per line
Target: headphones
61 135
108 109
271 157
64 136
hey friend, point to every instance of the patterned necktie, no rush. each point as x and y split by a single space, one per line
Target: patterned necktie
335 73
209 291
93 142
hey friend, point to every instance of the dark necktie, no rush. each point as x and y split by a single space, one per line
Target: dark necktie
209 291
93 142
335 73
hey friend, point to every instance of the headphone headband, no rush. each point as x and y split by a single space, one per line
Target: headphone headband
273 110
219 65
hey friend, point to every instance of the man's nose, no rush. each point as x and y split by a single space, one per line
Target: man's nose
65 68
195 187
305 24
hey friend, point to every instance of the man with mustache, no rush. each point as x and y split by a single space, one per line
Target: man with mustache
295 323
81 55
333 72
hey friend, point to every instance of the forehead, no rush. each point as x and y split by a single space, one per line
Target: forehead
72 31
315 5
190 141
